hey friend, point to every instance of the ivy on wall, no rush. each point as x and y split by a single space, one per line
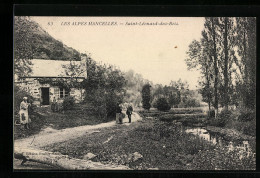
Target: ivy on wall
61 82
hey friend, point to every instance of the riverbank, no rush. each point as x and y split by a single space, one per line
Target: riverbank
161 146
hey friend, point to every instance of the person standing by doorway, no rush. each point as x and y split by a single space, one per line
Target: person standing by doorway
54 105
129 112
24 116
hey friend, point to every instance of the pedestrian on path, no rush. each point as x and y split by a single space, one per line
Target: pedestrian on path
129 112
118 114
24 116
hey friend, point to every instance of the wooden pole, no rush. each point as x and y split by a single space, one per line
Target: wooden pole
61 161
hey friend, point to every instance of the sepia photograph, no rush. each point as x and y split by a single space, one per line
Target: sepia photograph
134 93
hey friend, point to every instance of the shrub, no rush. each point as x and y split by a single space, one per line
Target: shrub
211 113
246 115
218 122
191 102
225 114
68 103
181 105
249 128
162 105
221 120
146 96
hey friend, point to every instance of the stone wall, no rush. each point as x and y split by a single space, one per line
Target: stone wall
33 87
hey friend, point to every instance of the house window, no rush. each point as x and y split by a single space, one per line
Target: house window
56 92
64 92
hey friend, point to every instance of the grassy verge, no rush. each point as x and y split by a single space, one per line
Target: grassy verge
187 116
196 117
162 144
43 117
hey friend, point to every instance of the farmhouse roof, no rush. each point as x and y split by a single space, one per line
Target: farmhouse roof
51 68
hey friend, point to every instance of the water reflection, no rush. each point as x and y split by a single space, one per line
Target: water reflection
215 138
204 134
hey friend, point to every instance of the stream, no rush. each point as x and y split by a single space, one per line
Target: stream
217 139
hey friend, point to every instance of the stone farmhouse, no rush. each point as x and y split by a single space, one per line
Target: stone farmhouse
43 69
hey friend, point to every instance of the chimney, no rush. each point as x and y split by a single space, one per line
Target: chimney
83 64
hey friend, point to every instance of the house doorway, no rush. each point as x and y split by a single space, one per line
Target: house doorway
45 96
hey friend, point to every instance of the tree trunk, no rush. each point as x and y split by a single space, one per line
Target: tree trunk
245 56
215 67
208 87
226 64
61 161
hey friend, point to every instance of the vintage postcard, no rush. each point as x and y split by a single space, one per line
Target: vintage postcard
134 93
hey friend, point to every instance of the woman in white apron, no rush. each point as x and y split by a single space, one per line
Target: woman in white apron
24 116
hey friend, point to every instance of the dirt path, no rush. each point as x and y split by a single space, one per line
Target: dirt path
49 136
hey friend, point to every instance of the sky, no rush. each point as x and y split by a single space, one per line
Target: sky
157 52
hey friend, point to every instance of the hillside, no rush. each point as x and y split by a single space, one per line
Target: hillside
42 46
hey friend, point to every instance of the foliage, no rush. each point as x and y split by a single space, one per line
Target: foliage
228 49
28 34
243 120
211 113
177 94
55 82
146 96
246 44
203 56
162 105
104 88
162 146
68 103
23 50
73 71
31 41
221 159
246 114
221 119
191 102
218 122
134 84
226 114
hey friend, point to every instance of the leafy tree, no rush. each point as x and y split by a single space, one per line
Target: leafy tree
192 102
23 50
203 55
104 88
246 44
174 99
162 104
176 93
134 84
68 103
211 26
199 57
227 54
146 96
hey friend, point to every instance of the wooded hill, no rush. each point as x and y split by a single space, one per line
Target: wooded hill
41 44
